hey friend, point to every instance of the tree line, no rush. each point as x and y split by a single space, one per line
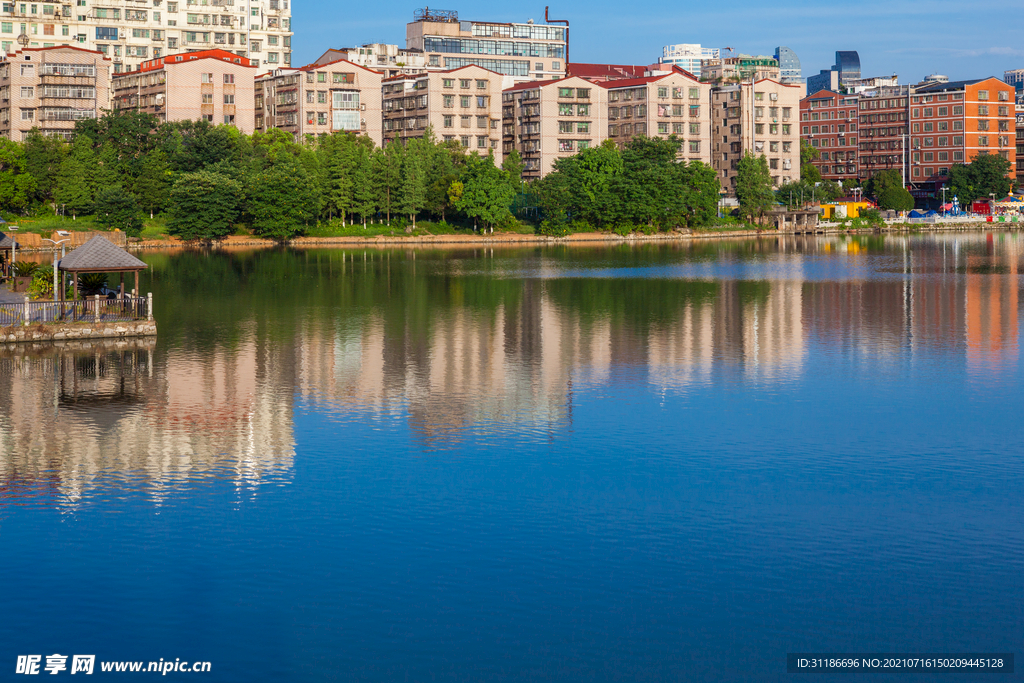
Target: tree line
209 179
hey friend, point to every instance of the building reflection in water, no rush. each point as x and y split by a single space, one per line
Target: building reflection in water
83 416
129 414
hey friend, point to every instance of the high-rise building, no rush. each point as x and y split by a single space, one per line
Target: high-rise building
51 88
759 118
839 77
212 85
1015 77
789 65
260 29
688 56
518 51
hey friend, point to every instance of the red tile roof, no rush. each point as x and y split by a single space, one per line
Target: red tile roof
607 71
182 58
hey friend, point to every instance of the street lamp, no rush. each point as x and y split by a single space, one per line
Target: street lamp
55 243
943 201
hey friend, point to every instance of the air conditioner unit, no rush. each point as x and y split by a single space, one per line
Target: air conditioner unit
362 107
773 96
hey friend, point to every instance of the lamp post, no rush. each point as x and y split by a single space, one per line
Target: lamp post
55 243
943 201
992 204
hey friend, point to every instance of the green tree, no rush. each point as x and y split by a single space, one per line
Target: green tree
153 181
16 184
282 200
117 209
809 173
203 206
105 173
74 190
44 155
896 198
985 175
754 186
387 171
413 196
882 181
486 191
513 165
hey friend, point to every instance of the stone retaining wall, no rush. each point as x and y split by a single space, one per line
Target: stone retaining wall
40 332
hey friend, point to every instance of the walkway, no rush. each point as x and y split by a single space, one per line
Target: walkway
9 297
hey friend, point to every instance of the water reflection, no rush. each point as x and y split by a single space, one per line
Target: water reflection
450 342
89 415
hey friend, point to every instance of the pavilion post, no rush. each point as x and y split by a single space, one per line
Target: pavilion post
138 292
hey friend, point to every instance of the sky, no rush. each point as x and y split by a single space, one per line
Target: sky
912 39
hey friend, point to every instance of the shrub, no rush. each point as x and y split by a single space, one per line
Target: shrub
24 268
91 284
623 229
871 216
554 228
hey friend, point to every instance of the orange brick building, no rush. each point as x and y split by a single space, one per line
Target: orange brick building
953 123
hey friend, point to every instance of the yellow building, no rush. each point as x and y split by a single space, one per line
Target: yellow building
843 210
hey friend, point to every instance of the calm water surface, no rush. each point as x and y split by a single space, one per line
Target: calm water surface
674 462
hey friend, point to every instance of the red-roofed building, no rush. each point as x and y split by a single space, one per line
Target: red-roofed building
461 105
828 121
210 85
51 88
675 103
320 99
548 120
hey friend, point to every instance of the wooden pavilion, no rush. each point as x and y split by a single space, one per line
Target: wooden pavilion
99 255
8 250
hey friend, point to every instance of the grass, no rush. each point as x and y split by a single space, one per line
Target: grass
152 228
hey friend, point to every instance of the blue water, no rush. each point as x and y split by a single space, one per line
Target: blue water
491 466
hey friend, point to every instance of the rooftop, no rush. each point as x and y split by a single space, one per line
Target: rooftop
100 255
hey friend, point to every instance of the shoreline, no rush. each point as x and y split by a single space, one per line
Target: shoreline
520 239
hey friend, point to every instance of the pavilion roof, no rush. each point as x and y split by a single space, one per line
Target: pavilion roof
99 255
6 241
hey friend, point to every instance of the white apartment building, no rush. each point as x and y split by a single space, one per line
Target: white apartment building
760 118
130 33
320 99
462 105
51 88
548 120
662 106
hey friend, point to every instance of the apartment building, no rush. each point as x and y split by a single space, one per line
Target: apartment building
925 129
51 88
389 60
954 123
741 68
138 32
549 120
599 73
884 132
661 106
828 122
463 105
760 118
319 99
211 85
518 51
1020 142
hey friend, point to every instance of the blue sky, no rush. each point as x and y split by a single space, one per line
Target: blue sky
913 39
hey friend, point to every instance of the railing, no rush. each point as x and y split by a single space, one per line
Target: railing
92 310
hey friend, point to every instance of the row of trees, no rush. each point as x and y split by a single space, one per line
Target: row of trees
642 186
210 178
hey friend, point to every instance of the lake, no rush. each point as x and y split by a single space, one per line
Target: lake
655 462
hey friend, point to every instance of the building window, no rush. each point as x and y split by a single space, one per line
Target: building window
983 94
207 98
229 99
449 121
